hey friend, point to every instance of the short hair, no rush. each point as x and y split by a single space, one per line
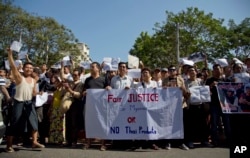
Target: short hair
81 69
28 63
191 67
146 69
216 65
97 64
37 70
171 66
78 70
121 63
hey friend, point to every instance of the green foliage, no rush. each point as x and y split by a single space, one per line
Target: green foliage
42 37
198 32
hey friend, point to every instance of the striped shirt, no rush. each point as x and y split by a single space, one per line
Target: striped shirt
2 81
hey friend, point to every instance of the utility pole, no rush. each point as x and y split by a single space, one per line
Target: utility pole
47 54
177 43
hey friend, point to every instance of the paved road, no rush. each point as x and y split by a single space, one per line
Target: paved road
57 152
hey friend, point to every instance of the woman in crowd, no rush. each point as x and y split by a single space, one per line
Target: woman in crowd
56 132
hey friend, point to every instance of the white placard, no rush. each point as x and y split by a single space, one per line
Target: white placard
187 62
221 62
241 77
66 61
142 114
199 94
85 64
57 65
134 73
110 63
197 57
41 99
133 62
7 64
22 55
237 61
16 46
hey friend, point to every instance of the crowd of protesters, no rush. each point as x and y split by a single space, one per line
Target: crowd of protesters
204 123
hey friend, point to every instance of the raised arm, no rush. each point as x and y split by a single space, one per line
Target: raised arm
16 74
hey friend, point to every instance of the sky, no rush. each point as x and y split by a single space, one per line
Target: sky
110 27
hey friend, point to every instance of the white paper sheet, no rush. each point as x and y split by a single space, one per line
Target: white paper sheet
41 99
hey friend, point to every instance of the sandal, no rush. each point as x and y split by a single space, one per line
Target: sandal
103 148
85 146
37 145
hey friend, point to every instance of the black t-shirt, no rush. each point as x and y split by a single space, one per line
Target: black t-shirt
95 83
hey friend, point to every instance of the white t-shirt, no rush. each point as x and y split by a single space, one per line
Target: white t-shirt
151 84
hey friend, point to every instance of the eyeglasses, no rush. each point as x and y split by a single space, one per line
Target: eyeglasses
75 75
172 69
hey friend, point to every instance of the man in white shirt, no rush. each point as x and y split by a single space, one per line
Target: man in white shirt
157 77
121 80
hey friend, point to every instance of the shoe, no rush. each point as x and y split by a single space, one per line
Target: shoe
168 146
191 145
183 147
37 145
132 148
73 145
206 144
9 150
155 147
103 148
67 145
85 146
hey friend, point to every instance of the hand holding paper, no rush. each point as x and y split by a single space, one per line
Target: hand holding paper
16 46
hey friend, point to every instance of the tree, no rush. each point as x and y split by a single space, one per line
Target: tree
239 38
42 37
198 32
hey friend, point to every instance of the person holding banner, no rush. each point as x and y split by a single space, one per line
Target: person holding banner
244 100
177 81
146 82
215 107
157 77
121 81
95 81
164 73
196 117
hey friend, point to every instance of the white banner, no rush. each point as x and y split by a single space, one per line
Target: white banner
134 114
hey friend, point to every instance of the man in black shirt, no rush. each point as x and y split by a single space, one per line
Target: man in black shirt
215 108
95 81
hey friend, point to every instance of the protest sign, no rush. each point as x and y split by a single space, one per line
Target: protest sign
243 77
134 114
66 61
41 99
197 57
133 62
16 46
199 94
221 62
22 55
111 63
234 97
134 73
7 64
85 64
